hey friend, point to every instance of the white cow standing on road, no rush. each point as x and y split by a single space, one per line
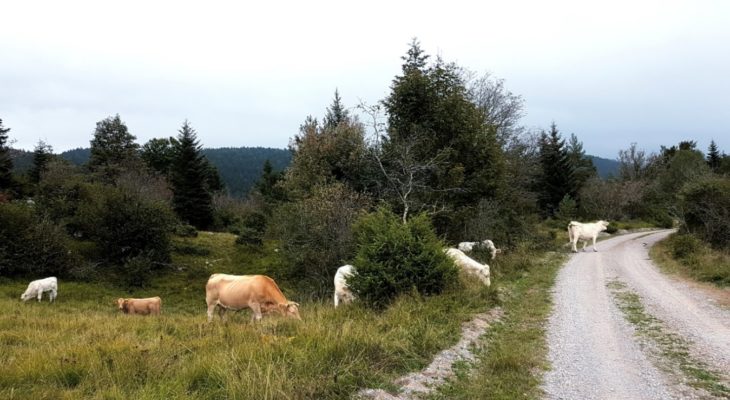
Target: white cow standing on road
584 232
343 294
37 287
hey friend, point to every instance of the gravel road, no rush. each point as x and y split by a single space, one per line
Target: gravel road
592 348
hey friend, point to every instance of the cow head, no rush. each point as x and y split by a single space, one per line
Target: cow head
604 225
290 309
123 305
27 295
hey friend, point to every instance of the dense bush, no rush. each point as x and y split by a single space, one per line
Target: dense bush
706 205
32 246
315 235
394 258
684 246
126 227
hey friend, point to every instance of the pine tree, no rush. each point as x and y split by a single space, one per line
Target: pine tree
556 178
714 158
6 163
191 199
336 113
113 149
267 184
42 154
583 168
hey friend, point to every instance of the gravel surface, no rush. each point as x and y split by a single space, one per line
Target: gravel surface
592 348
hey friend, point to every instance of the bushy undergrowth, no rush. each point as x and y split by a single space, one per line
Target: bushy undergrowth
686 254
706 206
394 258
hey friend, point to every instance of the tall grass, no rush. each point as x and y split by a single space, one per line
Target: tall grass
688 256
81 347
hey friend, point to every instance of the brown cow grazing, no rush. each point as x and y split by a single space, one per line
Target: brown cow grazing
147 306
257 292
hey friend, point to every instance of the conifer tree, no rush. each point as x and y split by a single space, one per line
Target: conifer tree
42 154
714 158
583 168
113 148
556 178
267 184
336 113
6 163
191 199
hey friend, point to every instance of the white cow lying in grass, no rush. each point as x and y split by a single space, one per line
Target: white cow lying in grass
469 246
343 294
584 232
469 265
36 289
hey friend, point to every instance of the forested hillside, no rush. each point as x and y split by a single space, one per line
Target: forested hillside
606 168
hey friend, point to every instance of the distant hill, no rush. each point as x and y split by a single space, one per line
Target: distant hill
239 167
22 160
606 168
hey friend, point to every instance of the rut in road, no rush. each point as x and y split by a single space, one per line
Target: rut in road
592 348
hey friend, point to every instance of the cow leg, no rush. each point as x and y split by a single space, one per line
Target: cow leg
585 243
336 300
53 295
594 244
256 312
211 309
222 313
40 295
574 243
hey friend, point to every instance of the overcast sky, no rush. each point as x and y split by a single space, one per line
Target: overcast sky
651 72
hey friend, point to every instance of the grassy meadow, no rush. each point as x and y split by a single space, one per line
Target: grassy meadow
82 347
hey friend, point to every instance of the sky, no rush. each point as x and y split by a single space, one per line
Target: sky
248 73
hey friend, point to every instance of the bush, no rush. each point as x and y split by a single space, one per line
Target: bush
185 230
706 205
315 236
395 258
684 246
251 231
125 226
32 246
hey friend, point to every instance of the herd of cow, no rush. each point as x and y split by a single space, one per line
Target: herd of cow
262 295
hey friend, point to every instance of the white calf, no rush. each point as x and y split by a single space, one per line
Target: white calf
469 246
343 294
584 232
469 265
36 289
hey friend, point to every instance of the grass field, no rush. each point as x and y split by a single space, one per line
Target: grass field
81 347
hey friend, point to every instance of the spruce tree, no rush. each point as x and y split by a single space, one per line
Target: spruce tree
6 163
267 184
714 158
113 149
336 113
191 199
556 178
42 154
583 168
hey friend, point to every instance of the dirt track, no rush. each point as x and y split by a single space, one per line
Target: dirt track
592 348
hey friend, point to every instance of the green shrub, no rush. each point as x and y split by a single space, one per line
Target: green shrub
315 236
124 226
31 245
185 230
684 246
394 258
706 205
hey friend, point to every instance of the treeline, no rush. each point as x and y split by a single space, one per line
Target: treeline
385 186
239 167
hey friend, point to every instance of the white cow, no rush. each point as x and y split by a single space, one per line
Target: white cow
469 265
343 294
469 246
36 289
584 232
